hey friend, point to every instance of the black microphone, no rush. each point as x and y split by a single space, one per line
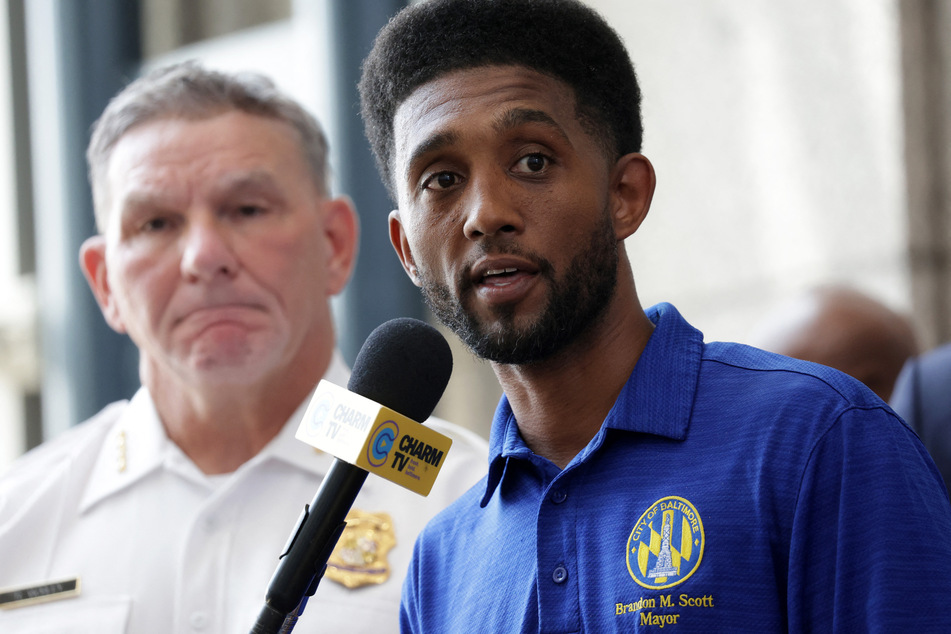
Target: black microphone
405 365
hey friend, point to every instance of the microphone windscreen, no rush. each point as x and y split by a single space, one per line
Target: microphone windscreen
404 364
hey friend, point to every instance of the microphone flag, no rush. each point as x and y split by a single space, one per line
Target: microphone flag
375 438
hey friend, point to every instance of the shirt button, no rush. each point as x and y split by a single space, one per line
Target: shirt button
558 496
560 574
198 620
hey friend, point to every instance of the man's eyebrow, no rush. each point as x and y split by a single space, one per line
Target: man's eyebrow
242 180
520 116
248 181
431 144
139 201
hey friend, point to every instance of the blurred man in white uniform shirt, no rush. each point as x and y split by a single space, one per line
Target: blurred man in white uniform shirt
219 249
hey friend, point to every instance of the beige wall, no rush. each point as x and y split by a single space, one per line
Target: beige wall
926 78
775 130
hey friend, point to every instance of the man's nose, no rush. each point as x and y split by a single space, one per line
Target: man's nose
491 210
207 251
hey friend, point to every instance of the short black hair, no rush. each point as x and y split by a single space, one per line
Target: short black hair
564 39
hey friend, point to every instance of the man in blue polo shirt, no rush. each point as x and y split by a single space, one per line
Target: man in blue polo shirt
638 478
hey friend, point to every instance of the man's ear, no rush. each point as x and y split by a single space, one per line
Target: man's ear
342 229
402 248
92 260
632 189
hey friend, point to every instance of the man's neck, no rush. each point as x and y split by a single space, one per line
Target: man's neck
222 427
561 403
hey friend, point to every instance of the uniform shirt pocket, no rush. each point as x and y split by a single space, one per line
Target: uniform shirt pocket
94 615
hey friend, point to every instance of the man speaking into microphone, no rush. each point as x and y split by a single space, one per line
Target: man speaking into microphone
640 478
218 251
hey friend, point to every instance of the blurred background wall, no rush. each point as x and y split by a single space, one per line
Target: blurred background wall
796 142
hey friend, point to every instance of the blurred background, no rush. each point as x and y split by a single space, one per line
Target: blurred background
796 142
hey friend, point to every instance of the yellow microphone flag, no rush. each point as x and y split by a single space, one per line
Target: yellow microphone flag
364 433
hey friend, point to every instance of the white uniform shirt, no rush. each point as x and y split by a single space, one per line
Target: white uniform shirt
162 548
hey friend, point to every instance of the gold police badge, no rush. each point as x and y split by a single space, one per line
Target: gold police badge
359 558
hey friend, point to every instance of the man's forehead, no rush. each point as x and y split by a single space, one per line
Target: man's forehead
248 145
481 81
518 94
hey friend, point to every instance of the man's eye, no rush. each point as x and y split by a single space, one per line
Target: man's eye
532 163
154 225
250 210
441 180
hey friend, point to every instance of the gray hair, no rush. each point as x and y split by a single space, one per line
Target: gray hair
189 91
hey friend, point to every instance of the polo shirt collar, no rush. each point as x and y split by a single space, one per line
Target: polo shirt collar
657 398
137 445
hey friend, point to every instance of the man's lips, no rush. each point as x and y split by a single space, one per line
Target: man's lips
500 270
203 317
503 280
489 276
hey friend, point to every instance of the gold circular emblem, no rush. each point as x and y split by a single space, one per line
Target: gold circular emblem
666 545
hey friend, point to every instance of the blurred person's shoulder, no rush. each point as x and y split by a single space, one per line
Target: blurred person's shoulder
57 458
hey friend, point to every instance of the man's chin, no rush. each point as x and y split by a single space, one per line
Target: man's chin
222 366
505 344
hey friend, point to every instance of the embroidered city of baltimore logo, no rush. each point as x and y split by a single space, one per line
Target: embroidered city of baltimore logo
666 545
359 558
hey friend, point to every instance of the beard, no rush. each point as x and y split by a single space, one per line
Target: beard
575 302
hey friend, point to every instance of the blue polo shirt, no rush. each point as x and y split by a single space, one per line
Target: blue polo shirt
728 490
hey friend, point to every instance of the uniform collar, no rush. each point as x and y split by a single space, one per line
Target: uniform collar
137 445
286 447
657 398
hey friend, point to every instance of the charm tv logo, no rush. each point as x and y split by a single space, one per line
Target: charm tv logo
380 445
321 413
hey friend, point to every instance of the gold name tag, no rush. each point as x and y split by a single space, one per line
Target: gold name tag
22 596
